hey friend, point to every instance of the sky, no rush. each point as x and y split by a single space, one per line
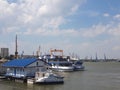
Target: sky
79 27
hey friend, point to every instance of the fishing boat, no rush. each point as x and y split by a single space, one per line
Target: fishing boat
48 77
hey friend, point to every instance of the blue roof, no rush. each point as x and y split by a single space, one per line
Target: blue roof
19 62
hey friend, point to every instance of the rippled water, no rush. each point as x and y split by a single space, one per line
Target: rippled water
97 76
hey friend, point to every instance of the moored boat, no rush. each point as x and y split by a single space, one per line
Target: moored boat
62 67
78 65
60 64
48 77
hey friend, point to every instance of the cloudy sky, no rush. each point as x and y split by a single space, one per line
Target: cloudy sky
82 27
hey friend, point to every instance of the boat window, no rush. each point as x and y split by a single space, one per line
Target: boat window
36 63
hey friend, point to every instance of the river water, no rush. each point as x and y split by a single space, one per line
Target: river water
97 76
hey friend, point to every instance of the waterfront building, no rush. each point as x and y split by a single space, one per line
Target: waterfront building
23 68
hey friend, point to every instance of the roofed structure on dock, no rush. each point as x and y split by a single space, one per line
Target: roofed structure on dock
19 62
24 67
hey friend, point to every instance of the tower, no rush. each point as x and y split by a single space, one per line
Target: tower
16 52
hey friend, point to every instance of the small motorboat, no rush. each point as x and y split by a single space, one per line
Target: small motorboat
78 65
48 77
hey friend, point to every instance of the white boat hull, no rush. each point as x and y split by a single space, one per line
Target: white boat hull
62 68
49 81
48 78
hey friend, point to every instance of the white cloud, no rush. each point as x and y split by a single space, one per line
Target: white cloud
25 18
31 15
114 30
9 30
53 32
94 31
73 9
117 16
106 15
5 8
116 48
54 23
